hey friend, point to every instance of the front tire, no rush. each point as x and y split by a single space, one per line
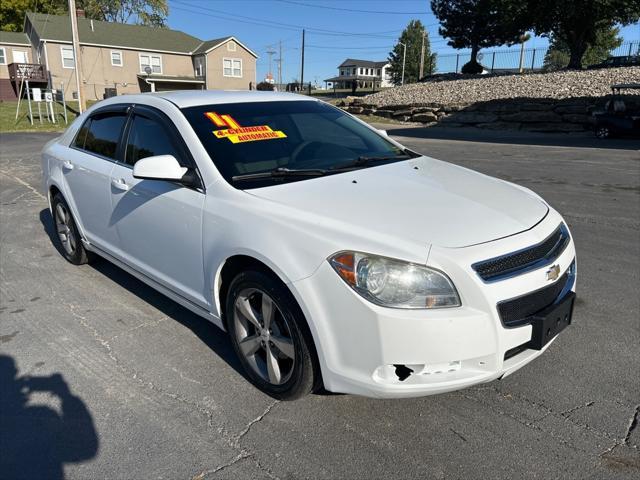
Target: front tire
270 336
67 233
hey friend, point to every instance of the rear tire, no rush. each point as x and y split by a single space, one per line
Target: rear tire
64 225
270 336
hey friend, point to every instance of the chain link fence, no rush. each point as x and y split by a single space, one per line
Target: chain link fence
512 60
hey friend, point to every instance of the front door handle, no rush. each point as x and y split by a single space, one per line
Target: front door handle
67 165
119 185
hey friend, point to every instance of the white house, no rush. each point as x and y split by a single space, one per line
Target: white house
362 74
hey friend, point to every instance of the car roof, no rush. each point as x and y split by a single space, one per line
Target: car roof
192 98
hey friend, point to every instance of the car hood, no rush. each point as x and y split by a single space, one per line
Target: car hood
423 199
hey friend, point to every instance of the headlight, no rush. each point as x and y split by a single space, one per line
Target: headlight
394 283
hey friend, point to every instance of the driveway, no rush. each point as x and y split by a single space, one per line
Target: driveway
102 377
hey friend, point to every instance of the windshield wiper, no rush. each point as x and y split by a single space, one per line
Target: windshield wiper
363 161
281 172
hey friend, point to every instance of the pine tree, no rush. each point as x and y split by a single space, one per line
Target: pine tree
411 37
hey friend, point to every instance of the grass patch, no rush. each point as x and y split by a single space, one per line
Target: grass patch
9 123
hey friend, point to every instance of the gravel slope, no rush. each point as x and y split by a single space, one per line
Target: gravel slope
558 85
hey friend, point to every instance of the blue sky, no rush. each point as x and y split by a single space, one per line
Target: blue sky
336 29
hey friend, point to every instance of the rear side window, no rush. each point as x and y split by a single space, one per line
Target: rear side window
147 138
82 135
104 132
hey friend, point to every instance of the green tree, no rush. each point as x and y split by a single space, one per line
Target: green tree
576 24
143 12
477 24
558 55
411 37
12 12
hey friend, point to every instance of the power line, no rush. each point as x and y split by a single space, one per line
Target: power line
271 23
326 7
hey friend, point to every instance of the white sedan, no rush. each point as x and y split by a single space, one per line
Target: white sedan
334 256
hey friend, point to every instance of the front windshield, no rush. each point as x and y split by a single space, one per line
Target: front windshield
263 137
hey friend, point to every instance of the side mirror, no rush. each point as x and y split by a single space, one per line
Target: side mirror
159 167
383 132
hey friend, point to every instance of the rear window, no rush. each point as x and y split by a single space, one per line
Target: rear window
103 133
246 138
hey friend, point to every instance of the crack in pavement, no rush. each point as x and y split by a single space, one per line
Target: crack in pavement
244 453
633 423
231 441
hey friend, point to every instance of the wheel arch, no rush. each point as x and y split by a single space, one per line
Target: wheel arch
240 262
231 267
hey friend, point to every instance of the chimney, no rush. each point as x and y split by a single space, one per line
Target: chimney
80 12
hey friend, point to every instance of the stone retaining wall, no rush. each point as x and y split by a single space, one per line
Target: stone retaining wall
534 114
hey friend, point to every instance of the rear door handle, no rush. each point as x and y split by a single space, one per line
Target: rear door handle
119 185
67 165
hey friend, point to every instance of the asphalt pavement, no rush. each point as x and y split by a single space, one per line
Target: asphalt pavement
103 378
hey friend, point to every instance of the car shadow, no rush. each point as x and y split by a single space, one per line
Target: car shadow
214 338
472 134
36 440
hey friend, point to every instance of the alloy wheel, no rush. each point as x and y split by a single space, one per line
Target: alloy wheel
263 336
64 228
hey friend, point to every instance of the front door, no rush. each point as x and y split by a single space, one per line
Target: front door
159 223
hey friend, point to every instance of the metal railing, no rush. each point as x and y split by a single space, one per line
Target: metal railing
509 60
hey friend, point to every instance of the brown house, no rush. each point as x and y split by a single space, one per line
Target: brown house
119 58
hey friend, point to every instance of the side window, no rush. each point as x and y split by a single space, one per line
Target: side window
147 138
81 136
104 132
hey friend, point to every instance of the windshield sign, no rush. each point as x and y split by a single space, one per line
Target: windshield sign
258 144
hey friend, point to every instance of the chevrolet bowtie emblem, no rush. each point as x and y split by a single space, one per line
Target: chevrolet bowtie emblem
553 273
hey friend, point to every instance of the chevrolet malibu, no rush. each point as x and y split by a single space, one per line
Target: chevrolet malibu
332 255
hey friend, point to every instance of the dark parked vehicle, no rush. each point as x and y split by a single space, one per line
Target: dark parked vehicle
621 61
621 116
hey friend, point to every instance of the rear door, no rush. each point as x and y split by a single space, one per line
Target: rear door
159 223
87 173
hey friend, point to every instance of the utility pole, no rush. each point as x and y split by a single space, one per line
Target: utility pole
404 59
76 55
280 64
424 36
270 53
302 62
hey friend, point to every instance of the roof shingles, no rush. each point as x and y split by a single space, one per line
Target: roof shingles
14 38
58 28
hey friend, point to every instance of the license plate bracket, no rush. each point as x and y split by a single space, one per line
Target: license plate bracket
551 321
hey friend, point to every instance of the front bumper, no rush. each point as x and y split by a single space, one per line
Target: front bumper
360 344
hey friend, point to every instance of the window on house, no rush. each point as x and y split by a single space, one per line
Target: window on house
353 72
198 66
3 56
232 67
379 72
231 46
152 61
116 58
67 57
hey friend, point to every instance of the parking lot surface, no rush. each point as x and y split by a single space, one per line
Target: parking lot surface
102 377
